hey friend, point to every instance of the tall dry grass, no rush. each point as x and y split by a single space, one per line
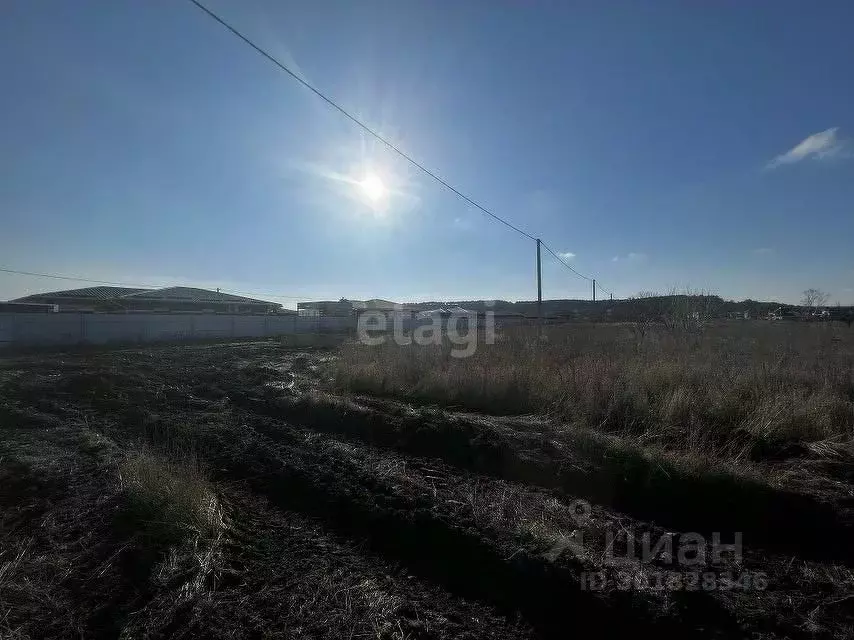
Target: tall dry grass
177 511
732 389
171 497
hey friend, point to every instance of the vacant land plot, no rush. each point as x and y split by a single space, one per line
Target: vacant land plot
256 490
732 391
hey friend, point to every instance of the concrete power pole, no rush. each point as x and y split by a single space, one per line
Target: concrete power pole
594 289
539 285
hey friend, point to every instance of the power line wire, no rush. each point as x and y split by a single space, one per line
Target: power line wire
353 119
564 263
131 284
599 287
358 122
60 277
258 49
603 289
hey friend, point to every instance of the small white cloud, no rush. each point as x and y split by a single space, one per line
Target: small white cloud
763 251
820 145
566 255
633 256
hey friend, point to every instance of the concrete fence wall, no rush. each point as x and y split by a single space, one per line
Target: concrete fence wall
34 329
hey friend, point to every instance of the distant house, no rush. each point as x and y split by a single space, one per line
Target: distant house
430 313
169 299
344 307
783 313
340 308
457 309
738 315
443 311
376 304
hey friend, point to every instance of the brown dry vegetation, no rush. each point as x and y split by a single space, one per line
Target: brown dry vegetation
252 490
171 497
731 391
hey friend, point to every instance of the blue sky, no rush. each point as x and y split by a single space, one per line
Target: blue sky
661 144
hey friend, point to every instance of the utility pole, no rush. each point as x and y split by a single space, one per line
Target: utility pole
594 289
612 297
539 286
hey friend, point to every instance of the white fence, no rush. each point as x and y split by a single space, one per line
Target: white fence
32 329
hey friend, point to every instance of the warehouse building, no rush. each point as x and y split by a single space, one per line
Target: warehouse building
169 299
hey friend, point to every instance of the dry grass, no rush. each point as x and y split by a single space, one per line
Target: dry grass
730 391
173 499
175 504
12 579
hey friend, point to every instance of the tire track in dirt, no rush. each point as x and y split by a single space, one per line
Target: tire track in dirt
577 465
281 574
358 493
73 564
411 519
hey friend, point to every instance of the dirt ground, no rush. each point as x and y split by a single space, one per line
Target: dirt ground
359 517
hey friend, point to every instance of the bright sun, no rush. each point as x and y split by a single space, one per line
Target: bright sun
373 187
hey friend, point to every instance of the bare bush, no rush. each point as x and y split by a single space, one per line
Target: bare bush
814 298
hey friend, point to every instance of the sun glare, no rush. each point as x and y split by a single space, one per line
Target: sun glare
373 187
